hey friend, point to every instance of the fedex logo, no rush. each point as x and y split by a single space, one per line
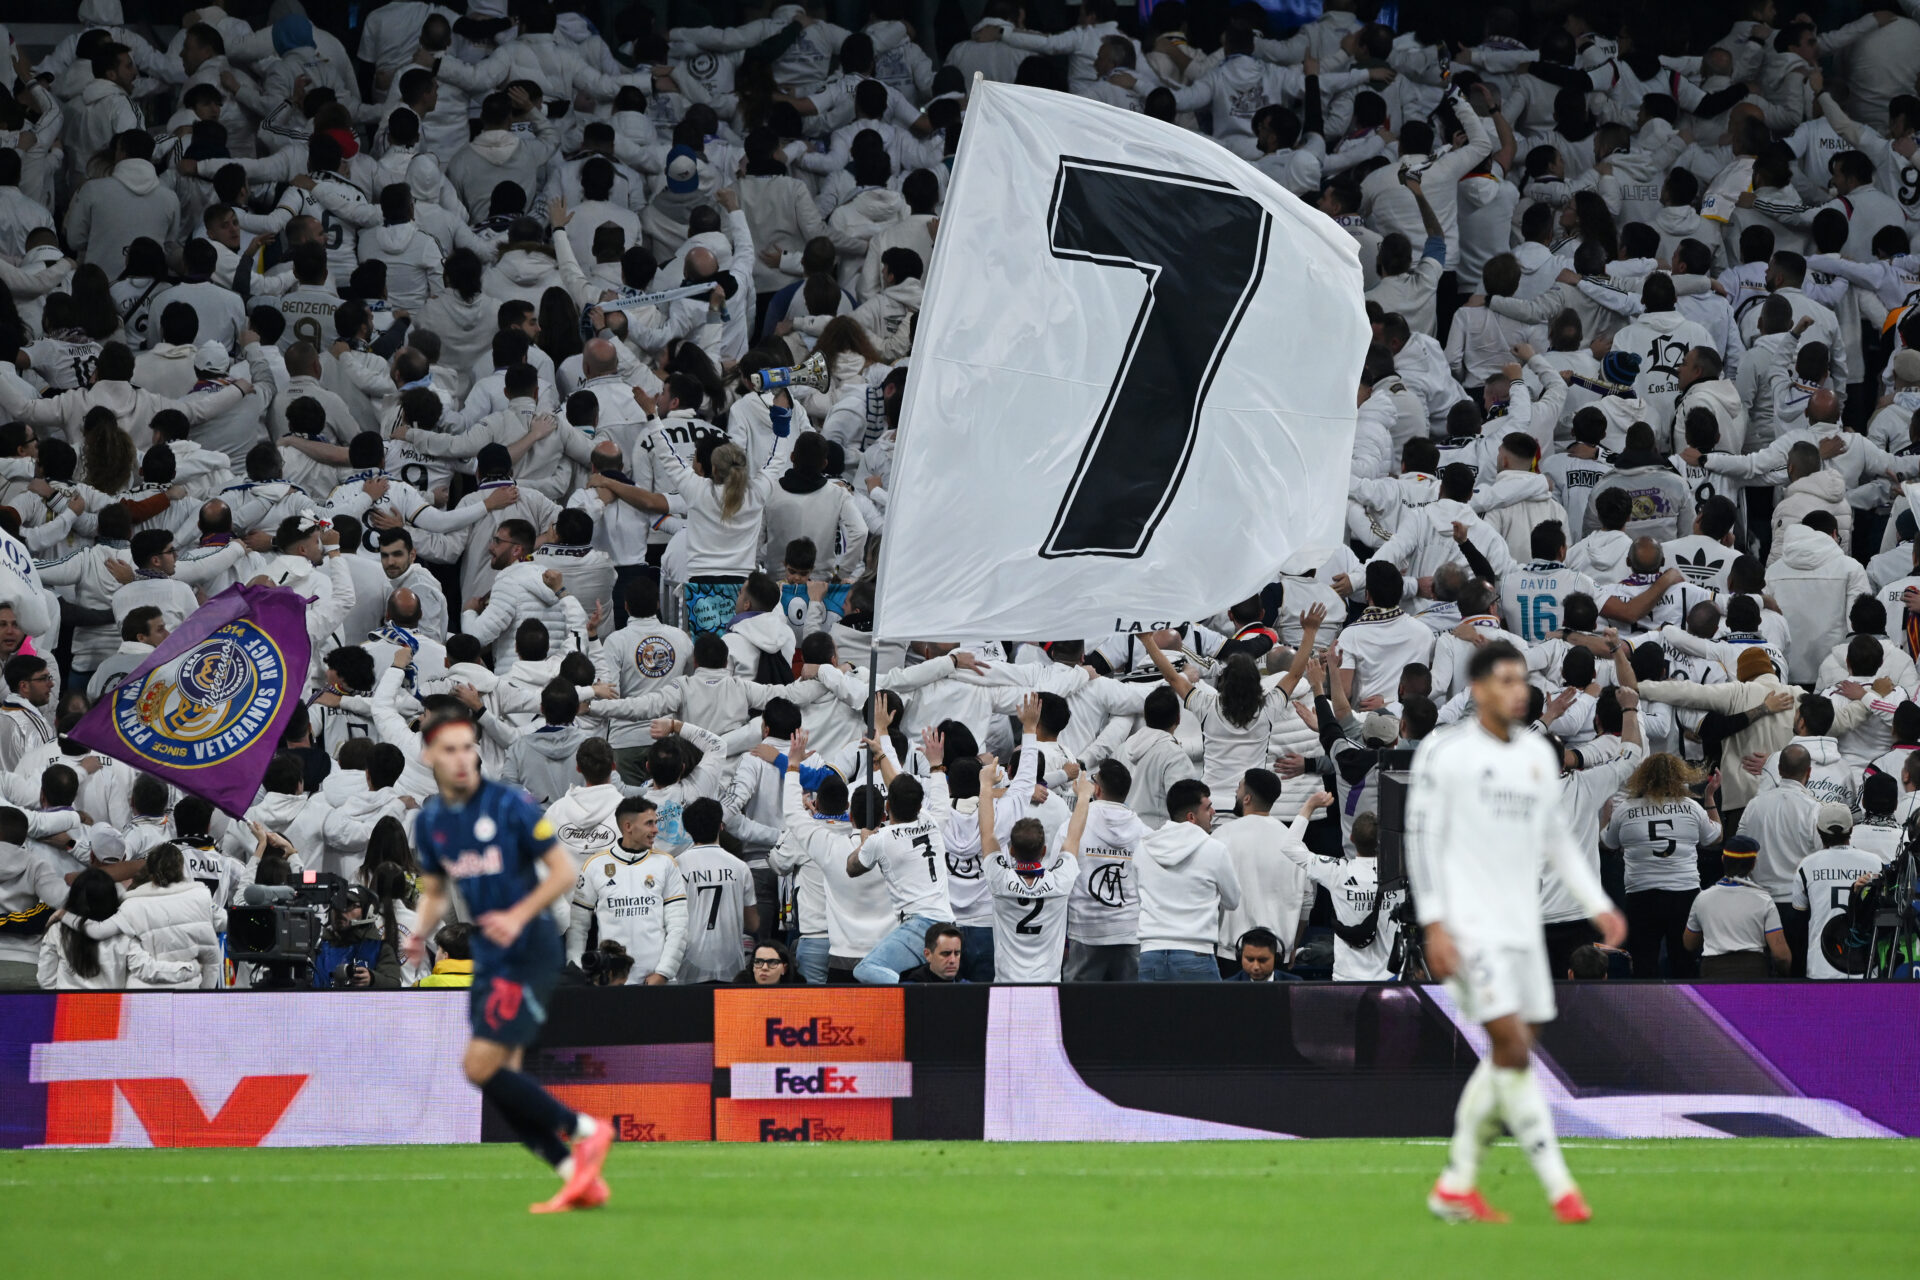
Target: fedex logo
815 1033
810 1129
820 1080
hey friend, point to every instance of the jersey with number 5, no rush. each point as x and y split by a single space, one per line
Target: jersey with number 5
1030 917
1533 597
1660 839
913 859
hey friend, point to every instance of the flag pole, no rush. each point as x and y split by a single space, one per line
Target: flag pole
873 700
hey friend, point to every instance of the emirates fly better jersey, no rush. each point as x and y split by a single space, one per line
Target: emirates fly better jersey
631 896
1030 917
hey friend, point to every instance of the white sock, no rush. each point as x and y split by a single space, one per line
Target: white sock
565 1169
1531 1124
584 1126
1476 1120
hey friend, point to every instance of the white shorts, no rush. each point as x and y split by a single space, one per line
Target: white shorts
1494 981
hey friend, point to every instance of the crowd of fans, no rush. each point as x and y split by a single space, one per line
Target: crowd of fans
375 325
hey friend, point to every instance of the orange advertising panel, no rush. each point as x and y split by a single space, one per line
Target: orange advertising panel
863 1120
801 1024
646 1112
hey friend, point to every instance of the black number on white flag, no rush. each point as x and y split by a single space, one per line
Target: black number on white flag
1202 247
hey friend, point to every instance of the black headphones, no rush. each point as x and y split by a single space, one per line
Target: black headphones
1259 936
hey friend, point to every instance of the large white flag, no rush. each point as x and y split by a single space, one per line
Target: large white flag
1133 381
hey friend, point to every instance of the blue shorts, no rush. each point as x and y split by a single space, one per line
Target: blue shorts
512 993
510 1008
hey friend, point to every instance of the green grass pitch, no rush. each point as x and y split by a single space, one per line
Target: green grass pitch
908 1211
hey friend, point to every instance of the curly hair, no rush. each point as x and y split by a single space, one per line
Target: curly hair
1662 776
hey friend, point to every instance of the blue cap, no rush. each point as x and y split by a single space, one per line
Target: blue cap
683 170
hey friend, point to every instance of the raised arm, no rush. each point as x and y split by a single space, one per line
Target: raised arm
1181 685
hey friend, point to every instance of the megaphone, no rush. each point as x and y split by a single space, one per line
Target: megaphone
813 374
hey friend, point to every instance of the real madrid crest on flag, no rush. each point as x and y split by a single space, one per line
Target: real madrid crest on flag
205 711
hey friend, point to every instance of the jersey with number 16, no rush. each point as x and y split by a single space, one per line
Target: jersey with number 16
1534 597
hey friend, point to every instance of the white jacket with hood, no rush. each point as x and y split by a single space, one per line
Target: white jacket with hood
1513 504
521 275
413 259
352 810
1815 583
583 818
856 221
1186 882
1824 490
111 212
760 633
496 156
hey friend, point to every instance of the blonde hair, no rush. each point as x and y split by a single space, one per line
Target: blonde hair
1662 776
728 469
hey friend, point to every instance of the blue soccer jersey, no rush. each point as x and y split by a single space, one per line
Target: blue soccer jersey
491 847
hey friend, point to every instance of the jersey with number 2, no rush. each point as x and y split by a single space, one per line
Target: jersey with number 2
1030 917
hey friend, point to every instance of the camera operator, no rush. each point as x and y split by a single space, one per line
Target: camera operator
607 965
1823 886
357 952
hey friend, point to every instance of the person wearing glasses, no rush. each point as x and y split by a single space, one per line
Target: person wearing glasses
772 966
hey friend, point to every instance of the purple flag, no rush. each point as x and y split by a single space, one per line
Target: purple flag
205 711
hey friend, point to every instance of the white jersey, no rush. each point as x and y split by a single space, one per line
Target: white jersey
1485 819
211 868
1104 908
719 888
639 903
1822 887
1660 839
1533 597
1030 917
1352 884
960 836
913 858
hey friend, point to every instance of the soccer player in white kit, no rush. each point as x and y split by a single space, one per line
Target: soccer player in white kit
1485 809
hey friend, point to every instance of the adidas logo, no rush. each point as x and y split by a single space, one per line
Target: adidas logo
1698 567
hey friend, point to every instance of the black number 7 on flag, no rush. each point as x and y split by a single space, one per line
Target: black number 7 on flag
1202 247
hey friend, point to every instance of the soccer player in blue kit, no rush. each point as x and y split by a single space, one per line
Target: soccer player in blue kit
492 839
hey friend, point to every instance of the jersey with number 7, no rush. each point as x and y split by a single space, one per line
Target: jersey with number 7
913 860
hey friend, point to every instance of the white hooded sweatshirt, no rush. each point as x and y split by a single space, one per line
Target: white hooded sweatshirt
1186 881
413 261
1513 504
1815 583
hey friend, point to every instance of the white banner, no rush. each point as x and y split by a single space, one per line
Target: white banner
1133 381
